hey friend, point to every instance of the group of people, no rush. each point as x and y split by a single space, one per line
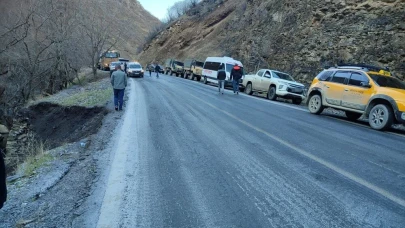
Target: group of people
157 69
236 75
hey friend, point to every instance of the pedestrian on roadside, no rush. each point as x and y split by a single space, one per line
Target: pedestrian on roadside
125 67
157 69
221 76
236 75
119 81
150 70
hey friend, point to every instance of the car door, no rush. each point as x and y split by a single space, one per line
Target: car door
333 89
265 81
357 92
257 80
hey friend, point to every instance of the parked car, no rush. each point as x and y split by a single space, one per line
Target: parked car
274 84
134 69
360 90
174 67
211 66
112 66
193 69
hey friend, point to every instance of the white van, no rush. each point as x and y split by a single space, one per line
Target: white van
211 66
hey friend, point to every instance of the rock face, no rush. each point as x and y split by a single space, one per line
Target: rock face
300 37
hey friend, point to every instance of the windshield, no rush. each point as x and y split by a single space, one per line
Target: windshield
179 63
282 76
114 64
111 55
199 64
135 66
386 81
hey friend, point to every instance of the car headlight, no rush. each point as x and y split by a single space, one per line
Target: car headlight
281 86
142 71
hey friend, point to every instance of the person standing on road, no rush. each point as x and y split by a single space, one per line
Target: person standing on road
3 144
157 69
221 76
150 70
119 81
236 75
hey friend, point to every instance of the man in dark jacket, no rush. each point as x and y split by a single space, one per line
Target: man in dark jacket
221 76
157 69
236 75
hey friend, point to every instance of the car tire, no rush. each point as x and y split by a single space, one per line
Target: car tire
297 101
271 94
353 115
381 117
199 78
205 80
192 76
315 105
248 89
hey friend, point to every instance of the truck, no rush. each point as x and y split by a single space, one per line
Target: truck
173 66
193 69
275 84
106 58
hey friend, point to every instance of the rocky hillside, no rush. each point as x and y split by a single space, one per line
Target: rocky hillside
297 36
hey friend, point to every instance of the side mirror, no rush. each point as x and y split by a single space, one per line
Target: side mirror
365 84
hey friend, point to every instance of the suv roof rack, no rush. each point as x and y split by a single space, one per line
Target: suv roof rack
362 66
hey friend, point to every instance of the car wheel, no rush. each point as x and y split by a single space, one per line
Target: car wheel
248 89
271 94
192 76
315 104
171 73
199 78
353 115
205 80
297 101
381 117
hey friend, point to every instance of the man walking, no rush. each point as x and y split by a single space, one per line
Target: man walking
3 143
221 76
157 69
119 82
236 75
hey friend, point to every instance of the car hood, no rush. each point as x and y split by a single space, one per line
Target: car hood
291 82
396 94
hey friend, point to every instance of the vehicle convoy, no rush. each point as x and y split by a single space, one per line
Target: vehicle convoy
106 58
193 69
135 70
173 66
211 67
274 84
360 90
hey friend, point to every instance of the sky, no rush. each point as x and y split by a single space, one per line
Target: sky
157 8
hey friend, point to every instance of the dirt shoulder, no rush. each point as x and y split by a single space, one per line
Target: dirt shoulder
49 188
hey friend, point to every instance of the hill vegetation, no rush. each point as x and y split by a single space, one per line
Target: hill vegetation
300 37
45 43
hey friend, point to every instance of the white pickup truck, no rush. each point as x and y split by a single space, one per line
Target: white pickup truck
275 84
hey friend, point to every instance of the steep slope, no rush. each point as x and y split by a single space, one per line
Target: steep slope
133 24
300 37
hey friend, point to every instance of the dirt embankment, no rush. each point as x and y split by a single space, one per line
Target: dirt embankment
56 125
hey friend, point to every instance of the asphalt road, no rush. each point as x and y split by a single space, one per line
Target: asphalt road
186 156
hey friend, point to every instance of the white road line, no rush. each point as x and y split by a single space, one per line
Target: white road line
319 160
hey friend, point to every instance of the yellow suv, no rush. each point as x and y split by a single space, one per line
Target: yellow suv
360 90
